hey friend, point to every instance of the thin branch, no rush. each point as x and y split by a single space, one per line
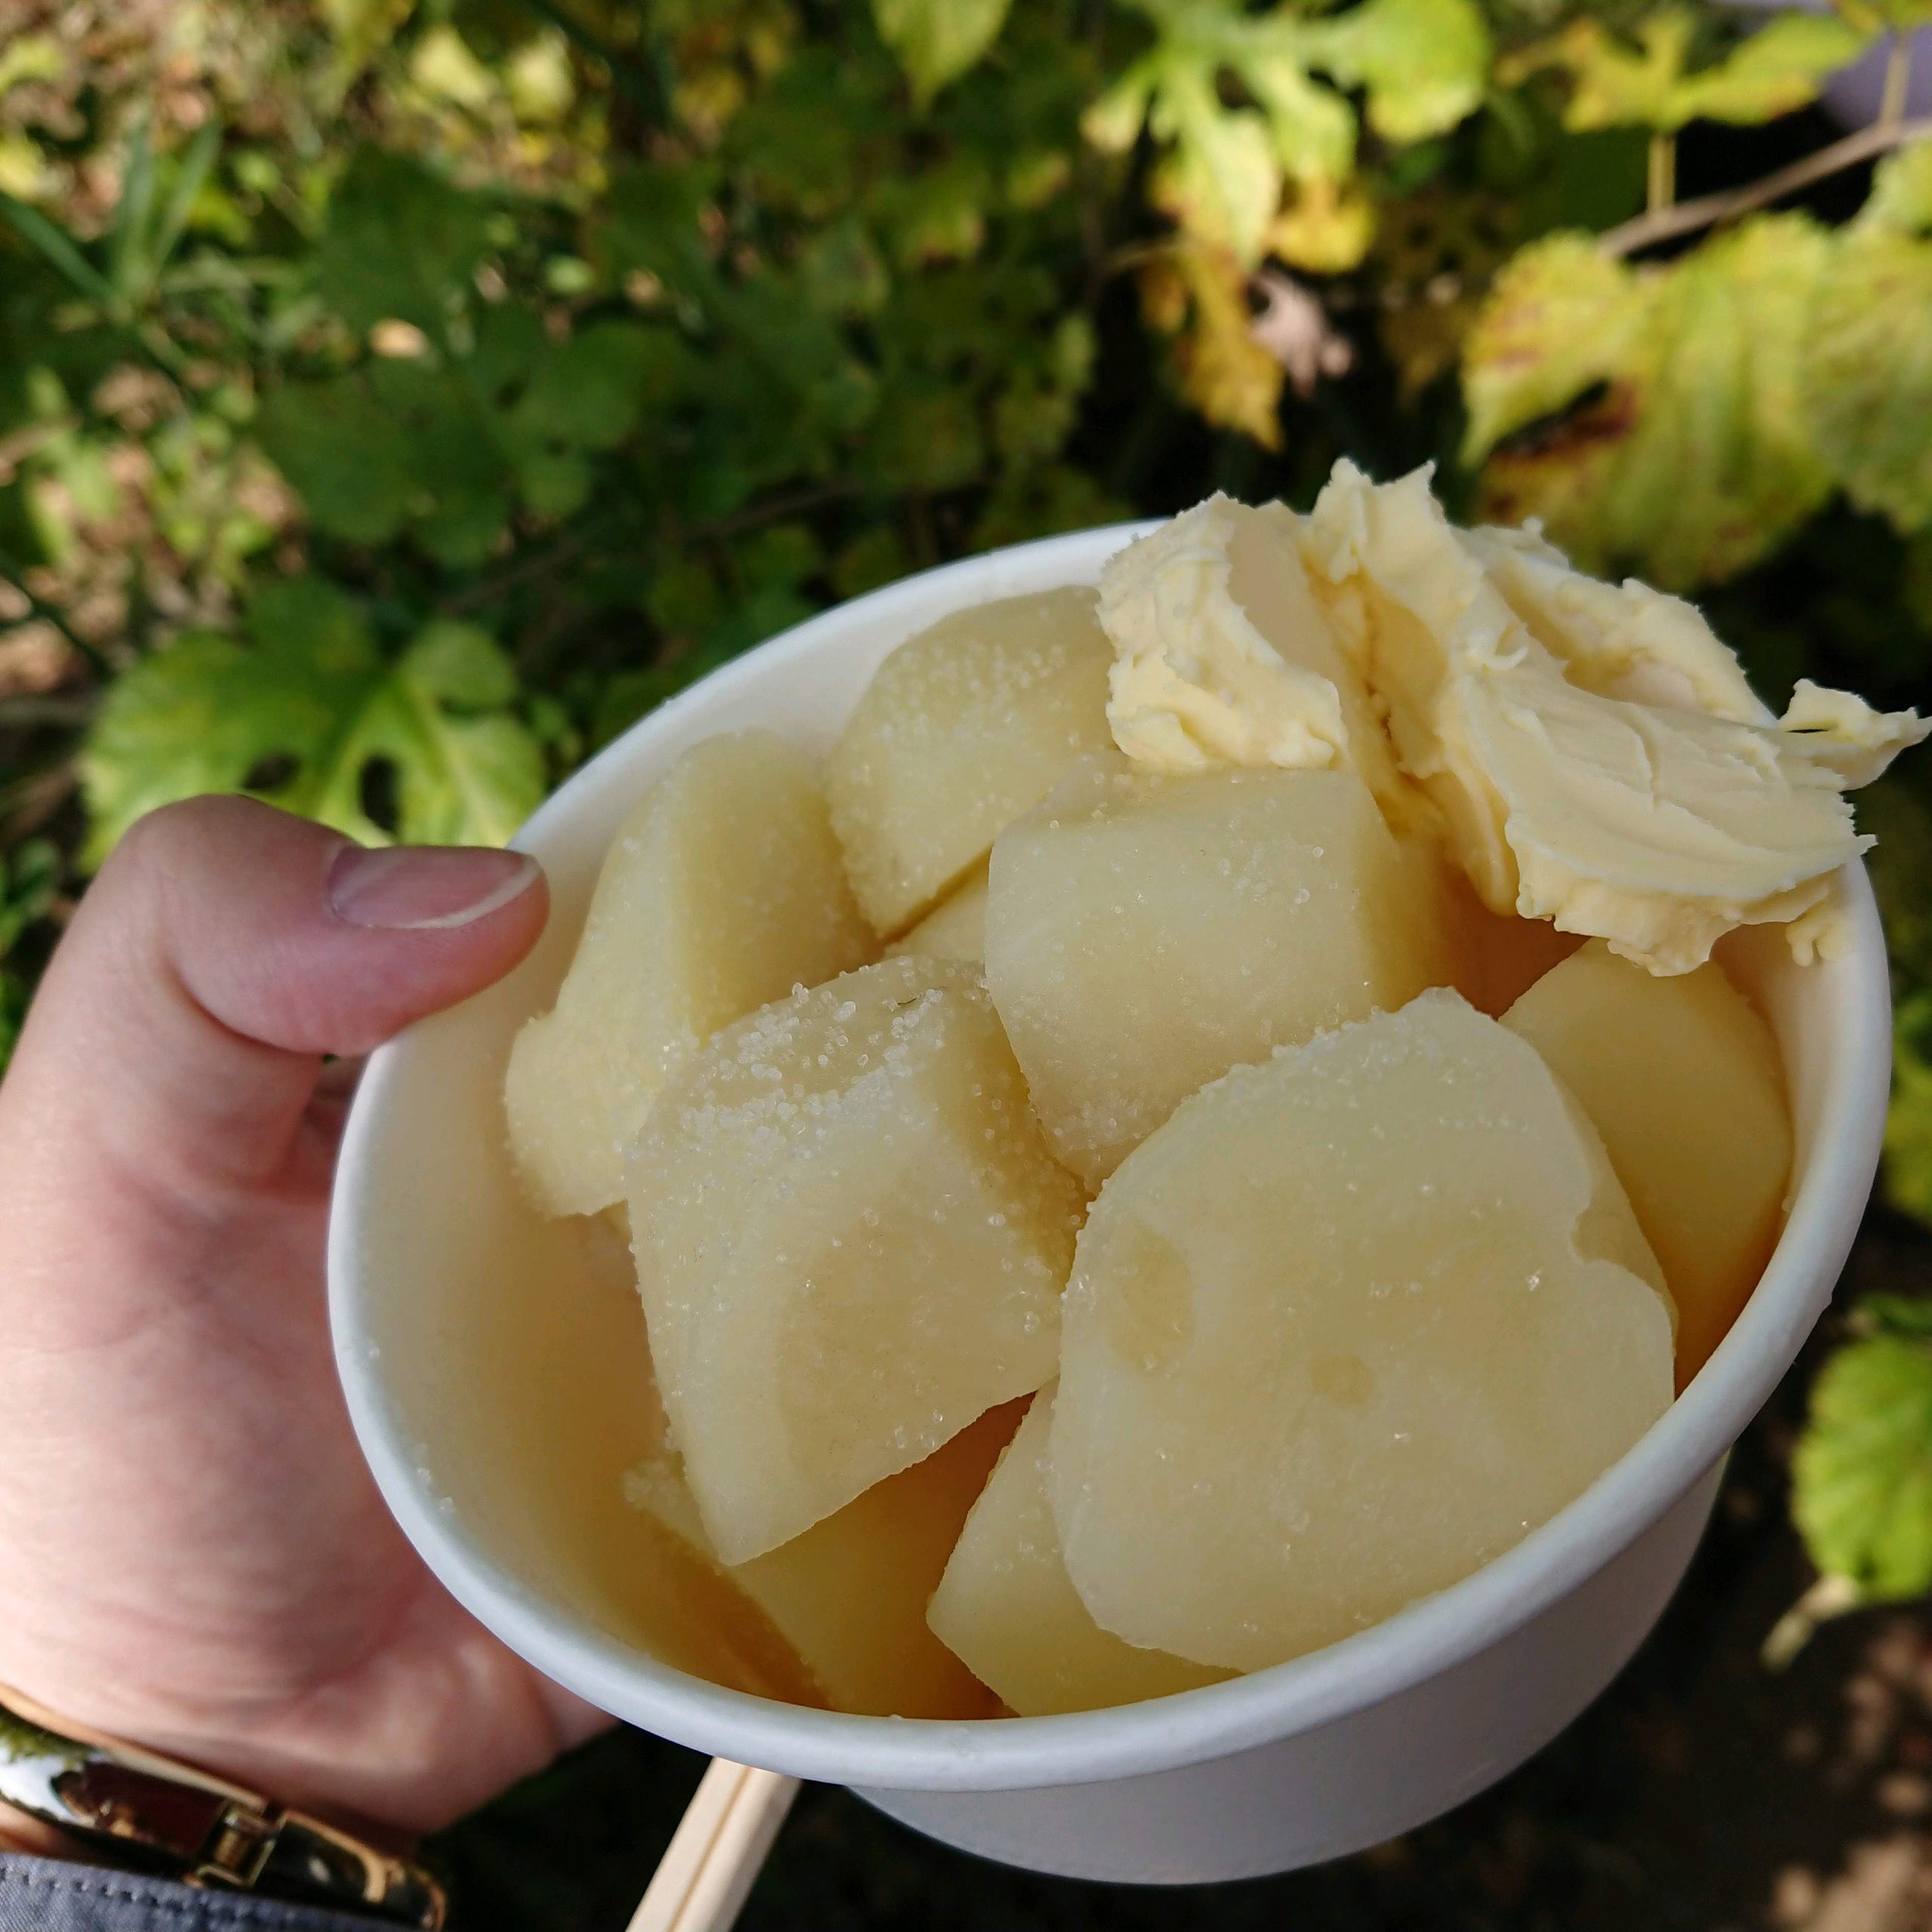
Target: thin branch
1829 1597
1660 174
1647 230
795 503
1898 80
527 569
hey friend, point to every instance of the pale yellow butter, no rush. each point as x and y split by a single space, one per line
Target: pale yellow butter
1594 751
1224 655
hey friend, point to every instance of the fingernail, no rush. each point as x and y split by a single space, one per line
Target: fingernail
425 888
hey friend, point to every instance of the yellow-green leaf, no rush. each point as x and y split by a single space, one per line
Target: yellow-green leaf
1221 180
310 716
1874 16
1224 373
1326 229
1311 127
1561 316
1114 122
1221 173
1861 1476
1901 202
1682 450
936 41
31 57
1425 63
1776 70
1868 378
1615 83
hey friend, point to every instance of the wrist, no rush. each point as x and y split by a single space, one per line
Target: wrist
22 1833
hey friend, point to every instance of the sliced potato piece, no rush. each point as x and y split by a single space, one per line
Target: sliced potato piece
1345 1328
1146 934
723 890
850 1595
1007 1607
960 731
850 1238
1682 1079
956 928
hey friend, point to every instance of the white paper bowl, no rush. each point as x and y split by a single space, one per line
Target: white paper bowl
491 1369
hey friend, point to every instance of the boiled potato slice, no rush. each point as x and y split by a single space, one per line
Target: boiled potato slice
850 1239
1146 934
724 889
960 731
1005 1604
1682 1080
1498 956
956 928
1345 1328
849 1596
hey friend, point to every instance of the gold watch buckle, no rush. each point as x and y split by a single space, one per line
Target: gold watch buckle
148 1811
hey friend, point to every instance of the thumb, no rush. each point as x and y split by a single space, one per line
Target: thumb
224 948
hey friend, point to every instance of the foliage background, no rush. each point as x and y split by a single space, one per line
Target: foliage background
399 398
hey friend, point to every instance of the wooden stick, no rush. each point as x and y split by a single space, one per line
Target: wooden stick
707 1871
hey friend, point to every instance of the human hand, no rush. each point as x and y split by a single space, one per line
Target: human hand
192 1555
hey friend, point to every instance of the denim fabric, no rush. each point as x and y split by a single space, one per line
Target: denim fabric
41 1895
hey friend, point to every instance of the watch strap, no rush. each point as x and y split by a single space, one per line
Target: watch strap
156 1815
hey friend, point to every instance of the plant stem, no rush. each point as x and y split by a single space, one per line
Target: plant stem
1661 182
1666 224
1898 79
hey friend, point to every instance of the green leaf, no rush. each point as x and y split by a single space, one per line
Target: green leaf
1561 316
1683 449
191 173
468 773
1425 63
587 392
1311 127
54 243
1868 375
1908 1169
28 883
936 41
1861 1476
400 241
1776 68
398 444
339 450
305 714
1222 180
1909 1315
1222 174
937 215
1901 202
1873 15
127 236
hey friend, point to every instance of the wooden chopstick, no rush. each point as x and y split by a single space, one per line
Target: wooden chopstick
707 1868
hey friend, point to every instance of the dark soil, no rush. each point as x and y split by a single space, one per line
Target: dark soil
1702 1792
